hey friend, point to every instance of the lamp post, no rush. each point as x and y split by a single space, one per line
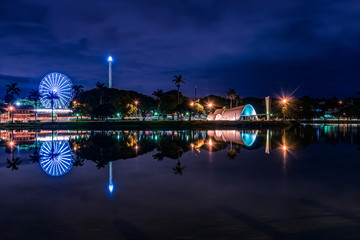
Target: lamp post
11 109
110 59
192 104
137 110
284 101
210 107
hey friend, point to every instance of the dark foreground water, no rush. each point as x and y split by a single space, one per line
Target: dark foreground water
301 183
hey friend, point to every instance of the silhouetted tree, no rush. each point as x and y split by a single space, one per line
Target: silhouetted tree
34 95
178 80
231 94
52 96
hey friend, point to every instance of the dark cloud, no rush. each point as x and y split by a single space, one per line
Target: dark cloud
258 47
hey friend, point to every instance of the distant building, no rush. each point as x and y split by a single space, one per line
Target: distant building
241 113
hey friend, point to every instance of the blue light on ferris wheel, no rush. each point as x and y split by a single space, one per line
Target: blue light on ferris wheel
110 59
56 83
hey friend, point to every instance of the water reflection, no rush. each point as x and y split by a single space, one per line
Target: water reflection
266 178
61 150
56 157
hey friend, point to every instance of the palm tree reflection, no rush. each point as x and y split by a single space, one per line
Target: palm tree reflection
13 163
178 169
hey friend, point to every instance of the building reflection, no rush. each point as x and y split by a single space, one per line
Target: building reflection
245 138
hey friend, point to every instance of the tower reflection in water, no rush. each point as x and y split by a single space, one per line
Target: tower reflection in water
56 157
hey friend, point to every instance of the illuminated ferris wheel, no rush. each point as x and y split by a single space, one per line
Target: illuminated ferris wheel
56 157
59 87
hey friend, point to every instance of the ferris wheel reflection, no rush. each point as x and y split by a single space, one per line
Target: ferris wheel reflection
56 157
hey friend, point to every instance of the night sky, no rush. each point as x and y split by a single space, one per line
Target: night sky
258 47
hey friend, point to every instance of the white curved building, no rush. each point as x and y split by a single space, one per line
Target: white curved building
241 113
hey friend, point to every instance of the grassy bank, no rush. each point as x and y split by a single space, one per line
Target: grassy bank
150 125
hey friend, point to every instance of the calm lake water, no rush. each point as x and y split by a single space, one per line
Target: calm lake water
301 183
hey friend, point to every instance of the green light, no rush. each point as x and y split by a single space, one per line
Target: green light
77 114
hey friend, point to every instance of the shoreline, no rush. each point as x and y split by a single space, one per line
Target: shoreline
162 125
151 125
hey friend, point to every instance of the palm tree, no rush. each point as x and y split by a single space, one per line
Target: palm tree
52 96
77 89
13 89
231 94
238 100
158 94
178 80
35 96
100 87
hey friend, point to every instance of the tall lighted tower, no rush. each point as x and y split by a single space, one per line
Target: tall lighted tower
111 185
110 59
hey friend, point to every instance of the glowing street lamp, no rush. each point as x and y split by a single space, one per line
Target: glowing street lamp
284 101
137 110
10 110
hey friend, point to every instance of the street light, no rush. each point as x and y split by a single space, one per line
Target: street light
11 109
137 110
284 101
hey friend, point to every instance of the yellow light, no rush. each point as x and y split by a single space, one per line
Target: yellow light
210 104
210 142
284 100
11 143
75 102
11 108
136 102
284 148
192 104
